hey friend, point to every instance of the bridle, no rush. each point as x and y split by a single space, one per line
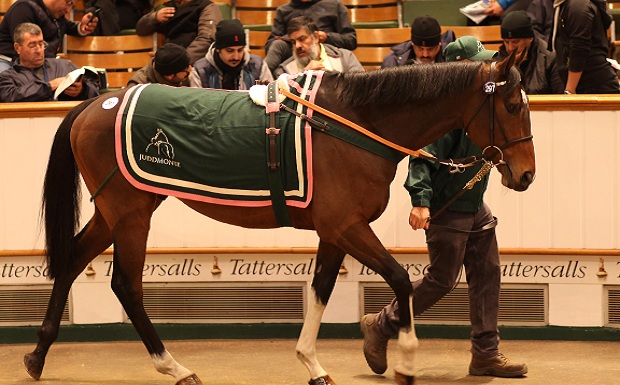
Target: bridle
489 89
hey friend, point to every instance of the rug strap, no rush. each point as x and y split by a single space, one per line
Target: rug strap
274 169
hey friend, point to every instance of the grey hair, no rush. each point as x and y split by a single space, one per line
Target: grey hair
23 28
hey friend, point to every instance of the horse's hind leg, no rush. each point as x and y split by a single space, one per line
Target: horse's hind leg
328 261
94 238
130 234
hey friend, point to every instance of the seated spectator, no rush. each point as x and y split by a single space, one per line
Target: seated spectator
50 16
189 23
170 66
117 15
35 78
425 45
539 73
228 65
310 54
581 46
331 18
498 8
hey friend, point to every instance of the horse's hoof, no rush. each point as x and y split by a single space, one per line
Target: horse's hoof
325 380
190 380
34 365
403 379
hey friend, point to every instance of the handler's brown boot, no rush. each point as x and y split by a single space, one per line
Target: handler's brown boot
497 365
375 344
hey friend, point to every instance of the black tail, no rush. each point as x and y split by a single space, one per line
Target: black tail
61 196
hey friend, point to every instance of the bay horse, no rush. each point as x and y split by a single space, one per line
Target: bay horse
410 106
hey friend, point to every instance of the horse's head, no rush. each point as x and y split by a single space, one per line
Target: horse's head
501 126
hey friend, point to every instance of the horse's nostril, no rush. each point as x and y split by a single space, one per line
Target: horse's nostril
527 178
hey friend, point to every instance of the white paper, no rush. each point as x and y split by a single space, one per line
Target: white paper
614 64
71 78
475 11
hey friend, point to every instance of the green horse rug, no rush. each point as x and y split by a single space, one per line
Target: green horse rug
211 145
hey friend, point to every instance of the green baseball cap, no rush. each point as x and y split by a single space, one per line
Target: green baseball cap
467 48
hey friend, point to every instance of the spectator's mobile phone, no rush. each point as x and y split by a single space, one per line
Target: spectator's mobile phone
96 13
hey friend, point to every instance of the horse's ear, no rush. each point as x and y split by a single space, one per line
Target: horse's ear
503 67
521 57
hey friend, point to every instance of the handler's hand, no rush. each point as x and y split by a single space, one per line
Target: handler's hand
419 218
164 14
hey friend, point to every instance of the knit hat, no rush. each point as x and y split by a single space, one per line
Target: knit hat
229 33
467 48
171 58
425 31
517 25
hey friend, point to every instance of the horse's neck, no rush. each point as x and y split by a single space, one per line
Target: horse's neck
407 125
417 127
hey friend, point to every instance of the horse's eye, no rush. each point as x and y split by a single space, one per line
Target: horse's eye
513 108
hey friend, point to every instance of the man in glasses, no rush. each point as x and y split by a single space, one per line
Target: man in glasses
170 66
35 78
51 16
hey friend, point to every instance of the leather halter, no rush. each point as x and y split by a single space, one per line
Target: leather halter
489 89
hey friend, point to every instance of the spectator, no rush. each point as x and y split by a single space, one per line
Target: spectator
228 65
499 8
581 46
35 78
310 54
170 66
464 234
331 18
425 45
189 23
538 68
50 16
541 13
117 15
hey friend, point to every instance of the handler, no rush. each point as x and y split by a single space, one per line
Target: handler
464 234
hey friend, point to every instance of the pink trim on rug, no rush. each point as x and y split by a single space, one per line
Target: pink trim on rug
220 201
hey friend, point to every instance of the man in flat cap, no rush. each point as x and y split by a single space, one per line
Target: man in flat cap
463 235
539 73
228 65
170 66
424 47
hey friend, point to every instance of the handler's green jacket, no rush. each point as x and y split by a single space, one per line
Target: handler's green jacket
431 185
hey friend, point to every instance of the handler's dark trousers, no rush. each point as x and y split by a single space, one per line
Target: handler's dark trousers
448 251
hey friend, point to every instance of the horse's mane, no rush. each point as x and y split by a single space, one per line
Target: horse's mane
411 83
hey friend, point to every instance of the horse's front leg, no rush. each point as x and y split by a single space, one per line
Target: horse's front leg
89 243
328 261
362 244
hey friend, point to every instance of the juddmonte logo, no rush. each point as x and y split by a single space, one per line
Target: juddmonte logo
165 151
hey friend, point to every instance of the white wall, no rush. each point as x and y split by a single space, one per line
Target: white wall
573 204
